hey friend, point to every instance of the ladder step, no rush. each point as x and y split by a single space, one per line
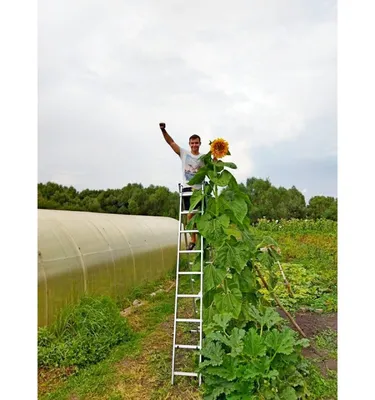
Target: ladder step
187 346
190 273
190 212
188 320
185 373
190 251
189 295
189 231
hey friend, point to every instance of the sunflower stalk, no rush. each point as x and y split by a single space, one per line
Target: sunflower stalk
216 192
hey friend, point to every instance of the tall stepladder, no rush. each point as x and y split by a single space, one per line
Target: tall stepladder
198 296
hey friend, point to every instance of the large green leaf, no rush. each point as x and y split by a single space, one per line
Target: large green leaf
220 179
280 342
252 313
213 276
208 312
268 318
237 206
236 233
227 374
222 320
210 206
198 178
213 353
235 342
195 198
257 368
224 220
243 391
248 280
222 387
226 164
212 228
233 256
253 344
271 317
229 302
288 394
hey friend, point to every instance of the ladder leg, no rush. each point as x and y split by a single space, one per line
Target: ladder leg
175 302
193 296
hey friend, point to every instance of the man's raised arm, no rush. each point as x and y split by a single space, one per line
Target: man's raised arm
168 139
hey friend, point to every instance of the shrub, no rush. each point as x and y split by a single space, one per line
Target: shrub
82 334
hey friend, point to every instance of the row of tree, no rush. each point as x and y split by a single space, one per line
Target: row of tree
267 201
276 203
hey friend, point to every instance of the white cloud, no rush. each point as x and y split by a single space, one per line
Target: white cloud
256 73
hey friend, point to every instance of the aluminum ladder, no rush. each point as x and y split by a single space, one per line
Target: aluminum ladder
182 230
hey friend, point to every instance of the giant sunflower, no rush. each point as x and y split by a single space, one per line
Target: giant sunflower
219 148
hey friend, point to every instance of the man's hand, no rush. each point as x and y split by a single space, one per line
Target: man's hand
168 139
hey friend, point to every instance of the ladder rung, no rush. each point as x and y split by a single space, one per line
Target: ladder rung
185 373
190 251
190 273
189 231
188 320
190 212
189 295
187 346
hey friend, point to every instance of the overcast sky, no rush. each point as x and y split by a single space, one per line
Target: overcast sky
259 73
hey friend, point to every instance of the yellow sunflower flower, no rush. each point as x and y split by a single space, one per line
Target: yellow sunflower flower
219 148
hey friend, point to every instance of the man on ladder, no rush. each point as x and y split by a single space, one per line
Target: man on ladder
190 165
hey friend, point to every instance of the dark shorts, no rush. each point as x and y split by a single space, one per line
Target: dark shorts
186 200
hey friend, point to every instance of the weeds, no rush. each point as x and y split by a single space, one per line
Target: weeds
327 340
83 334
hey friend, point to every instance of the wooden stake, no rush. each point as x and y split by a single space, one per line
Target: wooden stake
291 319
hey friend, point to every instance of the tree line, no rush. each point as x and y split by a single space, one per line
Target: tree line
267 201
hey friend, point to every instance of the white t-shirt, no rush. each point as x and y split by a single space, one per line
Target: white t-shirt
190 165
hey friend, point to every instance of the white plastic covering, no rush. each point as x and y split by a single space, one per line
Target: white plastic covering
92 253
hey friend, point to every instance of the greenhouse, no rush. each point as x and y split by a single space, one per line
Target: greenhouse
93 253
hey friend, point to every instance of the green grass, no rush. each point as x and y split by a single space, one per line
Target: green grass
96 378
83 334
327 340
309 260
321 388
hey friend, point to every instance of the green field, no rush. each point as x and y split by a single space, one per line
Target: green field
130 357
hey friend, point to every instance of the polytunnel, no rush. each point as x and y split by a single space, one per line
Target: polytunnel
83 253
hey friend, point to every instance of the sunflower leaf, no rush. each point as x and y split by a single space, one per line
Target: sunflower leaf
227 164
198 178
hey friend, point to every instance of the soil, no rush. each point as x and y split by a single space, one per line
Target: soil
313 324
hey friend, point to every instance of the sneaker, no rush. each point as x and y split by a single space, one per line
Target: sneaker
191 246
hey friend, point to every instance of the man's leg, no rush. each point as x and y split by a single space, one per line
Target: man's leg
193 236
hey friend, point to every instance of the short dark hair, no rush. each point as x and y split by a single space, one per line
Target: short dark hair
194 137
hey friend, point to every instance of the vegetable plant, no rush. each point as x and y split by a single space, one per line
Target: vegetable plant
248 352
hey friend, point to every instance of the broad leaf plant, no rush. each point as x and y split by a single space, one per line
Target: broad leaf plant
248 352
